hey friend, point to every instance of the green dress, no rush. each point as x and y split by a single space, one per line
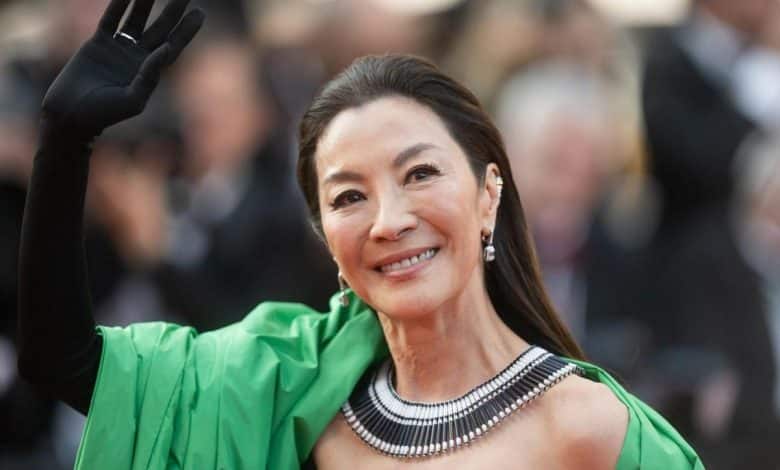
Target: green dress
257 394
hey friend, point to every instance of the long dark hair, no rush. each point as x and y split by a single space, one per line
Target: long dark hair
513 281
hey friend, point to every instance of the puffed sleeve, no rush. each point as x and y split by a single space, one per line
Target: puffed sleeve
255 394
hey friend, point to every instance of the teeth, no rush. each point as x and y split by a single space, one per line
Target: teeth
411 261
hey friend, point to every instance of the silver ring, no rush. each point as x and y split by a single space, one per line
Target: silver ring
126 36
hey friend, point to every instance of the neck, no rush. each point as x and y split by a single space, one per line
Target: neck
444 354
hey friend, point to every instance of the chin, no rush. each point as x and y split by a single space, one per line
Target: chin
412 302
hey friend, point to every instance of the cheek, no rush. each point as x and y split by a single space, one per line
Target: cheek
452 212
343 236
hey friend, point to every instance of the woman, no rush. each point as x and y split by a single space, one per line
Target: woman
409 185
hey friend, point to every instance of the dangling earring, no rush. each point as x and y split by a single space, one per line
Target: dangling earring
489 252
343 298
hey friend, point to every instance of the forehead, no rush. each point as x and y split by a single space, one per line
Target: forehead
380 128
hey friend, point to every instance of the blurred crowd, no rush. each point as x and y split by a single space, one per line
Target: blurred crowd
647 158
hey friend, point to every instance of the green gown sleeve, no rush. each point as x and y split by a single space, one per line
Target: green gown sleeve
239 397
651 442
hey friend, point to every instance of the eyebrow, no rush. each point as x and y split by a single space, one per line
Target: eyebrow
410 153
399 160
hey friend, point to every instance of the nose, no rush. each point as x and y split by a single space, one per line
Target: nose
393 218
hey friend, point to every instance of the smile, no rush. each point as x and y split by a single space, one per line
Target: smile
409 262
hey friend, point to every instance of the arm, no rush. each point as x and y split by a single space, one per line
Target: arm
108 80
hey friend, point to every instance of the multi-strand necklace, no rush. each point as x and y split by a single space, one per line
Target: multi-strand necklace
402 428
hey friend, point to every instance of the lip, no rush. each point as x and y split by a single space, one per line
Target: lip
405 274
401 255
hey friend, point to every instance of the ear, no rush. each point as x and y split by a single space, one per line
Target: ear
490 197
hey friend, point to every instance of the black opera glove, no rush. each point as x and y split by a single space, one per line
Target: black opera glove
113 74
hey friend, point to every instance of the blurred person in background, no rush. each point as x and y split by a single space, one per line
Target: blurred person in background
710 89
497 37
693 123
575 31
288 33
570 168
725 301
237 175
35 61
127 215
500 37
353 28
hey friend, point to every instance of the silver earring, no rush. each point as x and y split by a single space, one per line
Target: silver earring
343 298
489 252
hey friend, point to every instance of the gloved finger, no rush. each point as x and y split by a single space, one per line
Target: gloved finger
164 24
113 15
187 28
144 83
136 21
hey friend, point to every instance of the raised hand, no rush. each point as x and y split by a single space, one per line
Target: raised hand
111 77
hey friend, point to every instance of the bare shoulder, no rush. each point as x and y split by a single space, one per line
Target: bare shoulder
587 421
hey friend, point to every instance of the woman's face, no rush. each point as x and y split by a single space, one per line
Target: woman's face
402 211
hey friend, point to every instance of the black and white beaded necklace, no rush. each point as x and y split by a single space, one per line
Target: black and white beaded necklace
401 428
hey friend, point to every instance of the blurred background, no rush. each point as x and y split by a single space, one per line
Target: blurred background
643 137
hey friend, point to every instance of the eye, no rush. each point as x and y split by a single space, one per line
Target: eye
346 198
421 172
